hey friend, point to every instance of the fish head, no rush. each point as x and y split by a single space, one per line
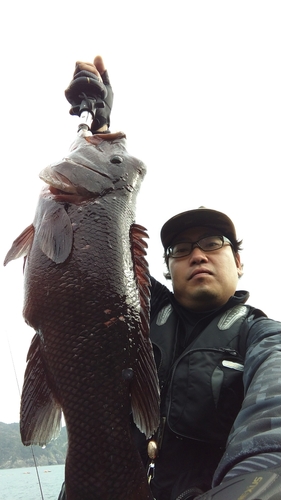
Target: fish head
95 166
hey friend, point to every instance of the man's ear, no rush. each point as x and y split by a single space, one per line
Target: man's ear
239 265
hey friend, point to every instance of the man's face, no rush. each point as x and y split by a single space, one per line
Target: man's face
204 280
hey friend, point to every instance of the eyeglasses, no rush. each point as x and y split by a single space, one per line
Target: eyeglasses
208 244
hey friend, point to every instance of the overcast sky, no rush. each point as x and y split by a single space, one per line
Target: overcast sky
197 91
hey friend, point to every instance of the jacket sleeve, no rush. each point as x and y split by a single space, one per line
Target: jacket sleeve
160 295
257 429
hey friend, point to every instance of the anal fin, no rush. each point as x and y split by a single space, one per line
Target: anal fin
40 416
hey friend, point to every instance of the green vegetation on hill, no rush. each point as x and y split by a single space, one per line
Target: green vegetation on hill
14 454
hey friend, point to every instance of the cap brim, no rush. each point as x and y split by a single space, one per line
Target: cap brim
200 217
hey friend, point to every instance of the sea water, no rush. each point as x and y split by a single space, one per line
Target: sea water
23 484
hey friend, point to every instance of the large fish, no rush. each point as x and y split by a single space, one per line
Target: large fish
87 297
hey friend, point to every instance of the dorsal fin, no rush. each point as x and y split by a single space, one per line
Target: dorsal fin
145 388
139 246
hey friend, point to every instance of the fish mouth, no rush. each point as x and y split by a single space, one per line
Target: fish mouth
60 183
73 163
63 190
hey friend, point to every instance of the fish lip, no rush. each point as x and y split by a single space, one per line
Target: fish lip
58 180
200 271
88 167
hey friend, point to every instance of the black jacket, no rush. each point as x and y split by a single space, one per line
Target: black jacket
192 454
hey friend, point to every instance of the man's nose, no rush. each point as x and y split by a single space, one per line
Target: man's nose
198 255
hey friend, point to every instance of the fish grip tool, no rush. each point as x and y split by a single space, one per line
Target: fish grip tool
86 93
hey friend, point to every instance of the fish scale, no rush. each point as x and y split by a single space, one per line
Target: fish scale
87 298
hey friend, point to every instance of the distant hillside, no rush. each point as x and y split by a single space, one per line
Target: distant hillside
14 454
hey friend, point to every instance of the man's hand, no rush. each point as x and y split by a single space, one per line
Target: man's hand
91 79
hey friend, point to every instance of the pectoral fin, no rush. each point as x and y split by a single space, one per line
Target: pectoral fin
54 233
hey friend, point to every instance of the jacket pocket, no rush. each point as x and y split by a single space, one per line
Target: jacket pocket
205 394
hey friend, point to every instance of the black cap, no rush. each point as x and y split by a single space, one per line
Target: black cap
199 217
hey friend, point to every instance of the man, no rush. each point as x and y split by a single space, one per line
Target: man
217 423
201 387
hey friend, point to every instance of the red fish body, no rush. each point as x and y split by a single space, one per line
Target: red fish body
87 297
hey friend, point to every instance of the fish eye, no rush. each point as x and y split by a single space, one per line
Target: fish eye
116 159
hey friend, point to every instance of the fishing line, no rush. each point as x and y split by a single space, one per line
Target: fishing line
31 446
10 350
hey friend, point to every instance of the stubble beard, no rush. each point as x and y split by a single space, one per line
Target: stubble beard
204 299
